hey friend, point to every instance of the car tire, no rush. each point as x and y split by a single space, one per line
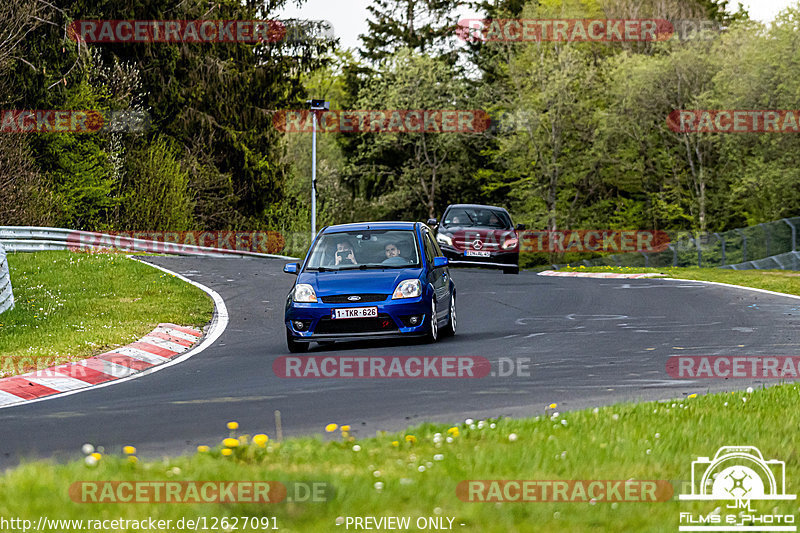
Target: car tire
295 346
511 270
450 329
433 332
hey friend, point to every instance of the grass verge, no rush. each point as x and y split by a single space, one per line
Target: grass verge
73 305
416 473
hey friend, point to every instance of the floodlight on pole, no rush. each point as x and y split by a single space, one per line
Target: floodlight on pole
317 106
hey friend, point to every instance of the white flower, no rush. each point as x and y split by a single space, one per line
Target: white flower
90 460
438 457
449 440
563 422
749 390
726 404
377 473
472 426
421 468
378 485
512 437
437 510
615 416
596 410
339 520
658 435
356 448
468 421
648 451
87 449
492 425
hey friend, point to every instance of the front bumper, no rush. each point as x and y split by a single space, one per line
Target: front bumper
495 259
392 321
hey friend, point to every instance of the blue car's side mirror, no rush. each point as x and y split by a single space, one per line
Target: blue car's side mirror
440 262
291 268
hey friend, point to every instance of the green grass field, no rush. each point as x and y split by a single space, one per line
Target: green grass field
416 473
389 475
73 305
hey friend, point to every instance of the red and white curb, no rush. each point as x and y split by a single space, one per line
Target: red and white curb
159 346
613 275
165 346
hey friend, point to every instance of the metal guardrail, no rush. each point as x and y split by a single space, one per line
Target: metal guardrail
36 239
770 245
6 294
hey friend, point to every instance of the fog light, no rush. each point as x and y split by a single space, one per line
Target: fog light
299 325
414 320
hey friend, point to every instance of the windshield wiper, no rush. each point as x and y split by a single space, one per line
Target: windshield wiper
321 269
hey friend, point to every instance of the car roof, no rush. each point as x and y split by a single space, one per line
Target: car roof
477 206
362 226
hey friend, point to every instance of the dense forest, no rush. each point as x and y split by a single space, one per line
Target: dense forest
579 135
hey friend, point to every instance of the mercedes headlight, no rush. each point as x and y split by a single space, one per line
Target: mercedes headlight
441 238
304 293
410 288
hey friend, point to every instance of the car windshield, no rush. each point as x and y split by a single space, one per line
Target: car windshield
476 217
367 249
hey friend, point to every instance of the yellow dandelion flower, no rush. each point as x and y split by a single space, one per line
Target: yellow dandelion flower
693 395
345 428
129 450
227 451
233 425
203 448
231 442
553 405
395 443
133 459
331 427
96 456
411 438
260 439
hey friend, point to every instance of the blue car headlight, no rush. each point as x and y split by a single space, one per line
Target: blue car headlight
304 293
410 288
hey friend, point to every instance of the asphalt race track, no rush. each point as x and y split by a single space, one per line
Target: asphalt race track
587 342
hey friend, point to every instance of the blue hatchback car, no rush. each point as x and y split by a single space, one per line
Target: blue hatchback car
370 280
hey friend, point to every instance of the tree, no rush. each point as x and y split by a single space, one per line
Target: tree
425 26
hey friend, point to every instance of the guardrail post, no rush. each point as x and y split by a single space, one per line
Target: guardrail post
6 294
744 244
722 240
646 262
766 236
674 255
794 234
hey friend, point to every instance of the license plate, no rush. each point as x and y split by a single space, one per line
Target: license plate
477 253
355 312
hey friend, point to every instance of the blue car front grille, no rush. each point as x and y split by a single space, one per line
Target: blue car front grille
345 298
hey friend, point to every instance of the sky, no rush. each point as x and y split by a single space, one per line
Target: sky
349 17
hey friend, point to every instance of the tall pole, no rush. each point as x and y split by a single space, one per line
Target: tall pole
314 177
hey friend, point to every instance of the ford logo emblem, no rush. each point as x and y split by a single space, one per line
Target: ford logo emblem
354 298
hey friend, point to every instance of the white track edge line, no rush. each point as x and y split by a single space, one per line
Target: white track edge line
218 324
765 291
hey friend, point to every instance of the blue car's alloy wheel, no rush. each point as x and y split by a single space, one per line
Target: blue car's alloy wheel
450 328
433 334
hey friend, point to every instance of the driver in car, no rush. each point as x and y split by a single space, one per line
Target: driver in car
393 254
